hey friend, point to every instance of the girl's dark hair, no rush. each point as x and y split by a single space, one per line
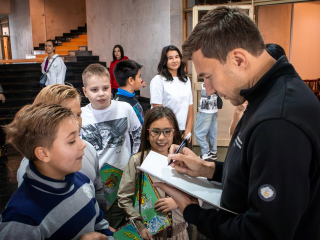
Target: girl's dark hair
275 50
153 115
162 66
121 51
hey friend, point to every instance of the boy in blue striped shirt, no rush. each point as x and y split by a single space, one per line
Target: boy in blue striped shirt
55 201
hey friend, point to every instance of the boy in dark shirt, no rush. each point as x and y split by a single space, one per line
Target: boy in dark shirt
128 76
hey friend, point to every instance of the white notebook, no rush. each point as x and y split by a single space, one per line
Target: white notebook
156 165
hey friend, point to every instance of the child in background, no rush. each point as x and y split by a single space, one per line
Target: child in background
55 201
68 96
128 76
106 124
206 124
160 130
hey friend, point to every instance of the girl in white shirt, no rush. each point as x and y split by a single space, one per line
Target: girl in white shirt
57 71
172 88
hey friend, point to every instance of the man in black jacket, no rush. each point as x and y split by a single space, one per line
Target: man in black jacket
271 174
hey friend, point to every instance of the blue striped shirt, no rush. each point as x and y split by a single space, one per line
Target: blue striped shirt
44 208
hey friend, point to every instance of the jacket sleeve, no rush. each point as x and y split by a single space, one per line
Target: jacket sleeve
61 68
217 176
102 225
135 131
15 229
127 189
278 156
99 187
1 89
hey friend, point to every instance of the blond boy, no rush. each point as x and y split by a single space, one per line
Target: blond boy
54 201
106 124
67 96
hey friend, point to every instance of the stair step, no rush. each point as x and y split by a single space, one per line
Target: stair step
17 102
87 58
75 43
70 59
83 36
67 48
79 39
62 52
80 53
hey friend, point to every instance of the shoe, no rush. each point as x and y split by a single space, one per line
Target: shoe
210 156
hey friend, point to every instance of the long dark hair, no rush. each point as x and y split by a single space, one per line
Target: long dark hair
275 50
121 51
162 66
153 115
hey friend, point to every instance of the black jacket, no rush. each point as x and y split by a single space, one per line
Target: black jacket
271 175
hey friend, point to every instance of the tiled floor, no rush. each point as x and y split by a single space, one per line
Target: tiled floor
10 163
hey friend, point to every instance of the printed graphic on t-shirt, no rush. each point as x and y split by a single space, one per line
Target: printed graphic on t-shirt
108 134
207 102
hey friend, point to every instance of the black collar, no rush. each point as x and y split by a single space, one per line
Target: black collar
281 68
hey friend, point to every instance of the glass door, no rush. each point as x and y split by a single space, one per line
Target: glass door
225 114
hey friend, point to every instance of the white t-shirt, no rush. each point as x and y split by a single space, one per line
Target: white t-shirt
108 131
174 94
208 104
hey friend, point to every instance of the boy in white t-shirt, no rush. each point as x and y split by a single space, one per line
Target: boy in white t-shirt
106 124
206 125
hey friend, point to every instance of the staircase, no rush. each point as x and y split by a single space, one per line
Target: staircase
20 81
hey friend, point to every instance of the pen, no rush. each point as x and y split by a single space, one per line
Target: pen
181 146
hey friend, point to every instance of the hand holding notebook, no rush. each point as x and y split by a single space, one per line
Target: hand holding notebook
156 165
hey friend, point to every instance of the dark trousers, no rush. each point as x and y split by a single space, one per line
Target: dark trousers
116 216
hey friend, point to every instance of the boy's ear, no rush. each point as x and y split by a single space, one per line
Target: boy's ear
42 154
130 80
84 91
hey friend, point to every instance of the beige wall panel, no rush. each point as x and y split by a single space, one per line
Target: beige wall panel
37 22
275 24
5 7
305 40
63 16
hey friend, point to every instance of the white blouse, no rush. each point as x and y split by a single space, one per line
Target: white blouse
57 71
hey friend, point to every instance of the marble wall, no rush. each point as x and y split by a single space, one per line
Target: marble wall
142 27
20 29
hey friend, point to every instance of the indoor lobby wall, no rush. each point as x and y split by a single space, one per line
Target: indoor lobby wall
305 47
142 27
20 29
63 16
275 24
53 18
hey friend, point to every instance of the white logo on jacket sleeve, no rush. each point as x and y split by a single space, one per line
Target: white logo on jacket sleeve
267 193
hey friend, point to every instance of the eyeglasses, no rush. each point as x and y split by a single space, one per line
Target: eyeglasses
155 132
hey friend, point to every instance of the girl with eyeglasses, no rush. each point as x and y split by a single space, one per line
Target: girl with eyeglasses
160 130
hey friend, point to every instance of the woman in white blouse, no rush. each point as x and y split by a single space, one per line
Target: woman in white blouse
172 88
57 70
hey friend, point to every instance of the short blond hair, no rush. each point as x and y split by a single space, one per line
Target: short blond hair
57 94
36 125
94 69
